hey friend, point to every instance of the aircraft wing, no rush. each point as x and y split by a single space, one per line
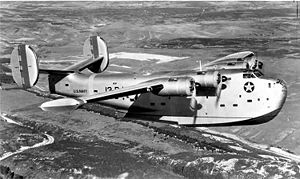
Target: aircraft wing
69 104
130 90
239 56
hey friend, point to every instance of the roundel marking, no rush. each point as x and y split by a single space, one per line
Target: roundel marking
249 87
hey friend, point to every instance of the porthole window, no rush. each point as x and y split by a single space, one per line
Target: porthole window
223 86
66 84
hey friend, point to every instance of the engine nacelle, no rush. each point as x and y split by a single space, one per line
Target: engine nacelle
176 86
208 79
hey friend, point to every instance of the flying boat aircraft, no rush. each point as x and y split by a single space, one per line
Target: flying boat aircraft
228 91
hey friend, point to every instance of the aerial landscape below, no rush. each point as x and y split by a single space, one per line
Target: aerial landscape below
146 37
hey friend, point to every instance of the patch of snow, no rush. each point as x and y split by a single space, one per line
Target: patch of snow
87 167
122 66
114 72
238 148
262 171
268 157
248 170
3 116
207 159
226 165
123 175
263 147
217 138
174 125
281 152
46 141
75 171
145 57
100 25
286 168
25 39
276 176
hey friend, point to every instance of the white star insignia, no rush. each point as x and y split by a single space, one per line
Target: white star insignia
249 87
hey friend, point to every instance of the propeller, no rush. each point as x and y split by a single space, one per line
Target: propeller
62 105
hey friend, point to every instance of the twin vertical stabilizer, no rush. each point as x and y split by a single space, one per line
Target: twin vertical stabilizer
25 69
24 66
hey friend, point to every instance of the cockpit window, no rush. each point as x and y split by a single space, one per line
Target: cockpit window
258 73
255 74
248 75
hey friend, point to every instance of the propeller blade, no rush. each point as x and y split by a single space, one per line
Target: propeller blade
193 104
218 93
219 88
62 105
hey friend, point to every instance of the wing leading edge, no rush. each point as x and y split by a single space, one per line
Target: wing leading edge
69 104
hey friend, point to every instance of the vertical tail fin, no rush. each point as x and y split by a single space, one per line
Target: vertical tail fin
95 47
24 66
95 50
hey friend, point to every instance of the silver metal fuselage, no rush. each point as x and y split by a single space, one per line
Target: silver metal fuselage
243 101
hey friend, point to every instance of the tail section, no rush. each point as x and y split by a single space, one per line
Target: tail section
24 66
95 50
25 69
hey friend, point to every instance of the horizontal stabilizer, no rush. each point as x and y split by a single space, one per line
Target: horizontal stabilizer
52 71
91 64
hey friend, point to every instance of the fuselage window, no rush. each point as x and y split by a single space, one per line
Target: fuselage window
269 85
235 105
258 99
152 104
222 105
267 99
95 91
163 104
131 99
223 86
66 84
249 100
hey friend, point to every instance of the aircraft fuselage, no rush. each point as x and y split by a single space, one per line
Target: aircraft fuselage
245 98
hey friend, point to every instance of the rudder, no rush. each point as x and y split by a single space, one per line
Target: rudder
24 66
95 47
